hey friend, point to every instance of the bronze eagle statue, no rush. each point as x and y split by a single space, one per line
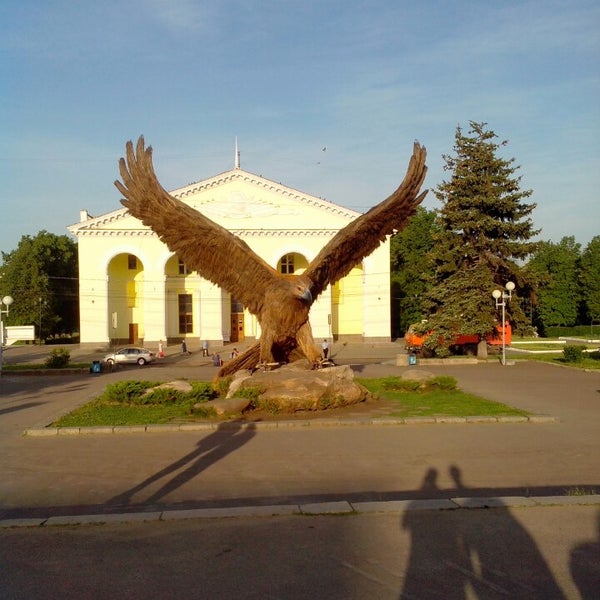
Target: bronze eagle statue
281 303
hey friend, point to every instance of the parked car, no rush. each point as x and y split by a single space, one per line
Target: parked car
129 355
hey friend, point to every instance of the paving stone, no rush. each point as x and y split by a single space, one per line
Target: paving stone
512 419
404 505
98 430
8 523
567 500
542 419
322 508
162 428
450 420
234 511
481 419
41 431
197 426
129 429
498 502
68 430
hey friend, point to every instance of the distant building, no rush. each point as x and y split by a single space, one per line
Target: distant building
133 289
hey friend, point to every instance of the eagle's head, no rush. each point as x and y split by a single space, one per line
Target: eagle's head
301 288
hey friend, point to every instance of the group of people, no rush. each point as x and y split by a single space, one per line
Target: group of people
216 357
161 349
218 361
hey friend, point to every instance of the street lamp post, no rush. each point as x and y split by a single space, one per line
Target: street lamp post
6 301
501 297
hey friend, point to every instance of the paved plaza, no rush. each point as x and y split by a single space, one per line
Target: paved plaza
288 510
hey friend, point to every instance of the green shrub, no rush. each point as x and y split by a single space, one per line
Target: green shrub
397 384
400 385
126 391
444 383
250 392
58 359
573 354
202 391
269 405
205 412
222 385
160 395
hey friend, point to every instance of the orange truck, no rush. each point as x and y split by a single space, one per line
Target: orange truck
462 343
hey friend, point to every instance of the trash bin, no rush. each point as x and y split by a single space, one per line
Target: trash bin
96 367
412 359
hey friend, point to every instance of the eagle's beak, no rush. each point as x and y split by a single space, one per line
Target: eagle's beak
306 296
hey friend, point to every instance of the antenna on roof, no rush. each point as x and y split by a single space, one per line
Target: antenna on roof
236 162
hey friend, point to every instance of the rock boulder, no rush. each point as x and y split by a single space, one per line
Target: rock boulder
296 387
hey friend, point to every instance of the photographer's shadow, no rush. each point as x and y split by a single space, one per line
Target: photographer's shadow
466 553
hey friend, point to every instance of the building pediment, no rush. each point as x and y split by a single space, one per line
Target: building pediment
239 201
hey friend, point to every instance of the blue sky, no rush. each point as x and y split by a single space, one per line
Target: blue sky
361 78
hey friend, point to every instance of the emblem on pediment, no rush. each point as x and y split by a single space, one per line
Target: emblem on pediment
239 205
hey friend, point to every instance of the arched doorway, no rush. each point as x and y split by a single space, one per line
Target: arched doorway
125 299
347 306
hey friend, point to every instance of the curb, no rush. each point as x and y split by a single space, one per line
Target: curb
295 424
341 507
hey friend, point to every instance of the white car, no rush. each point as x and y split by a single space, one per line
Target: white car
129 355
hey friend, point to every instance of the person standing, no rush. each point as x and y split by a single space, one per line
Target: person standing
204 348
325 348
161 350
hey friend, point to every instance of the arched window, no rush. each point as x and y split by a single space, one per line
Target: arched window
286 264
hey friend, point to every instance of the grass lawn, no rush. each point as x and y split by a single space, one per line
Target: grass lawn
100 412
437 402
408 398
589 361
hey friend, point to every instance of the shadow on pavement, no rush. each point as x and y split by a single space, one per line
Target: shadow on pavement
455 558
225 440
585 567
24 406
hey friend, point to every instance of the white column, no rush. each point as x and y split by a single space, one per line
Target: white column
320 316
211 312
155 324
376 317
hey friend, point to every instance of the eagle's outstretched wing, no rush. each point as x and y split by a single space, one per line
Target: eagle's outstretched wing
202 244
363 235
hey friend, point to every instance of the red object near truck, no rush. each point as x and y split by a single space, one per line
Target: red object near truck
462 343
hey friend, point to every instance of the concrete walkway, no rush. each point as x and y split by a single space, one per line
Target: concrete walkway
222 513
297 463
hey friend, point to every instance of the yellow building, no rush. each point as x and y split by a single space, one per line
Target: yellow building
133 289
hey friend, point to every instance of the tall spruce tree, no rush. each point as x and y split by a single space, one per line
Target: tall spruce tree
484 228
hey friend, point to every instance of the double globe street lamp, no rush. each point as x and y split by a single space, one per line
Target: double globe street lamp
6 301
501 297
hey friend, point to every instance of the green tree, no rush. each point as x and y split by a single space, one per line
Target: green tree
556 268
589 277
41 276
484 230
410 267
